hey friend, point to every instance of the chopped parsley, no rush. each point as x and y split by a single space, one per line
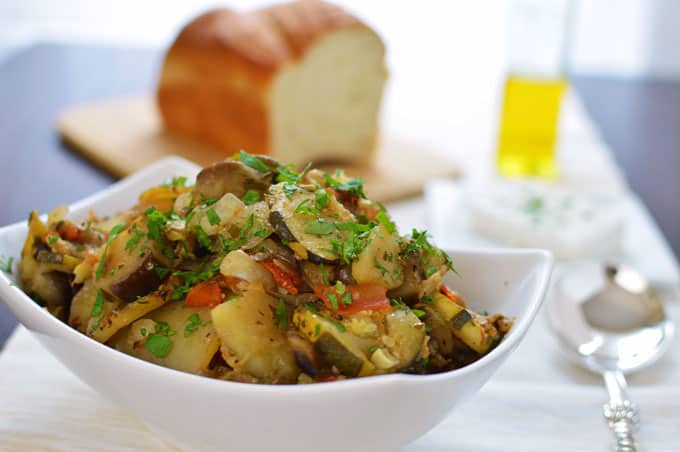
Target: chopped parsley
372 349
379 266
320 227
338 325
213 217
52 240
429 271
354 187
158 344
134 240
418 312
253 162
312 307
317 330
179 181
161 271
99 272
385 221
419 242
250 197
282 315
427 299
287 174
202 238
321 199
324 274
6 264
305 208
98 306
333 299
194 322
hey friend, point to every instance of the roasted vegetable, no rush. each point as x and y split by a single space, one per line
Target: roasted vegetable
229 176
251 339
296 219
258 273
477 334
174 336
334 344
128 272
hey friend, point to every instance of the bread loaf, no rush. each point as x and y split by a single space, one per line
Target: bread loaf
301 81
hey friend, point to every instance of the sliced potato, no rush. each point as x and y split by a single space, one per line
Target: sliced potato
193 337
251 340
379 262
121 315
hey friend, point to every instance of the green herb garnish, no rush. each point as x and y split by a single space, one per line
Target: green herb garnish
385 221
52 240
333 299
324 274
213 217
194 323
99 272
319 228
98 305
282 315
250 197
179 181
158 345
161 271
379 266
321 199
253 162
6 265
134 240
202 238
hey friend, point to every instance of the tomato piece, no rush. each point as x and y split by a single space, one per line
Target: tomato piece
365 297
69 231
283 276
207 294
451 295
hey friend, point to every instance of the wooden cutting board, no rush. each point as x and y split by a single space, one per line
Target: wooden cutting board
124 135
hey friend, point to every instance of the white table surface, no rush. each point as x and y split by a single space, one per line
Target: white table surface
536 402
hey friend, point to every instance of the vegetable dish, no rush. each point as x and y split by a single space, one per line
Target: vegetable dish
257 273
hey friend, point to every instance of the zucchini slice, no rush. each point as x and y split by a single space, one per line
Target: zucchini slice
465 325
334 345
408 333
292 221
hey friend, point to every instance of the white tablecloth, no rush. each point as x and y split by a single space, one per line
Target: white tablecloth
536 402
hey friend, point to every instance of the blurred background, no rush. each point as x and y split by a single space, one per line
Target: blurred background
623 37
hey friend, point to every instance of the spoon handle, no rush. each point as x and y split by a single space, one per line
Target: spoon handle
620 413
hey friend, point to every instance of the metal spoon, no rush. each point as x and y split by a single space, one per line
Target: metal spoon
610 321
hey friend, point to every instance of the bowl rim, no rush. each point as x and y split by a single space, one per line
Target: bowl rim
12 295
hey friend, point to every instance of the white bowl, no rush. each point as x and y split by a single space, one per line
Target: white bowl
197 413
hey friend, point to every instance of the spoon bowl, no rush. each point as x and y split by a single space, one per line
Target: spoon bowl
610 321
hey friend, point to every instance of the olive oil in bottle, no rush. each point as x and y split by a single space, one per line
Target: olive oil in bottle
537 45
528 128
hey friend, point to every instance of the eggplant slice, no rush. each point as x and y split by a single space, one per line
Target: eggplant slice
291 223
229 176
